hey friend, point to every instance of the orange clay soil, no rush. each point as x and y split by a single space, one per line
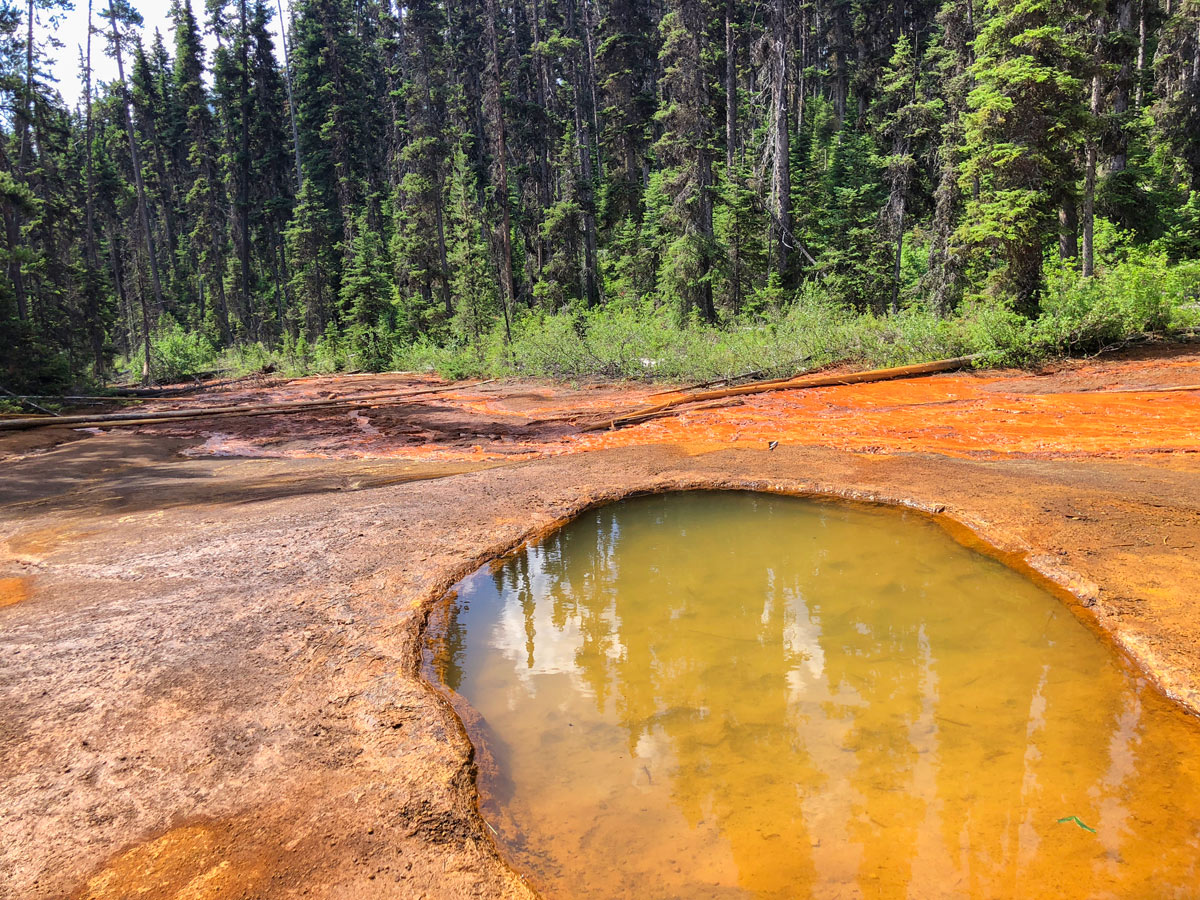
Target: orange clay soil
208 628
1079 409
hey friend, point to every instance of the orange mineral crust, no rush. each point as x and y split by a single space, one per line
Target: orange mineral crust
1143 402
956 415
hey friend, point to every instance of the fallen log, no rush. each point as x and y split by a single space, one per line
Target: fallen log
808 381
676 411
731 378
112 420
26 401
199 385
765 385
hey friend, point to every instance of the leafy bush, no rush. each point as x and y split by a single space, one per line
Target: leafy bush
1142 294
549 345
329 352
1134 291
176 353
247 359
451 361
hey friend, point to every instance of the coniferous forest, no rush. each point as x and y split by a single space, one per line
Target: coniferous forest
572 186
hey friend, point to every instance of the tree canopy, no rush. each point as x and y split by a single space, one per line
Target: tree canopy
375 172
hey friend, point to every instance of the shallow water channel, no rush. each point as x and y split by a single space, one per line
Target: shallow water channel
738 695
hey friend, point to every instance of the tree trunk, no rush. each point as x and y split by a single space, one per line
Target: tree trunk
1196 57
140 187
1141 55
250 320
545 189
287 71
90 252
12 232
27 96
144 306
590 77
1089 206
494 96
1089 175
780 174
145 334
12 217
802 79
166 199
285 275
1119 158
704 171
895 303
445 266
731 101
221 306
1068 228
583 142
114 263
279 297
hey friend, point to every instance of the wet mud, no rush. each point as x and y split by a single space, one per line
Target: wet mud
210 669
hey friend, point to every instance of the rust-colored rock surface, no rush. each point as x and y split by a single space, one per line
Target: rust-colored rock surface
209 629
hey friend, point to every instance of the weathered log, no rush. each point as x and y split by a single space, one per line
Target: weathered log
809 381
678 411
731 378
27 401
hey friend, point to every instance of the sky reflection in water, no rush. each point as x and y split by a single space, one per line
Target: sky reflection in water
733 695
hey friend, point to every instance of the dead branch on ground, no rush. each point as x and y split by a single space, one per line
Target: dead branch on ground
809 381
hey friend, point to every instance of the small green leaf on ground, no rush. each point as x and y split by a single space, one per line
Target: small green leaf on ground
1078 821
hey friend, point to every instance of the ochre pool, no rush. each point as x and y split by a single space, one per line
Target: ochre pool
736 695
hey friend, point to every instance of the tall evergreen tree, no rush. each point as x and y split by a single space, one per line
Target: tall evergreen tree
121 18
205 196
686 148
1026 115
420 243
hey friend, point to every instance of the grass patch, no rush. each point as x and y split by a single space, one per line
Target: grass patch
1136 293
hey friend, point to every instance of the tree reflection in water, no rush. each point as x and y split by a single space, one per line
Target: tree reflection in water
737 695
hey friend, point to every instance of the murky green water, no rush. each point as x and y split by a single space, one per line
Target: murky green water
730 695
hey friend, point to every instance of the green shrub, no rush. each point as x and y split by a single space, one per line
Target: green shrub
175 353
1140 294
548 345
996 331
1134 291
248 359
452 361
329 352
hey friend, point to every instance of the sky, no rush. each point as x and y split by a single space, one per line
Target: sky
72 31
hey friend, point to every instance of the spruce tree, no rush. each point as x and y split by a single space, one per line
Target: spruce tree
473 280
948 61
907 118
205 197
685 147
625 62
1177 83
1023 127
366 294
419 247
